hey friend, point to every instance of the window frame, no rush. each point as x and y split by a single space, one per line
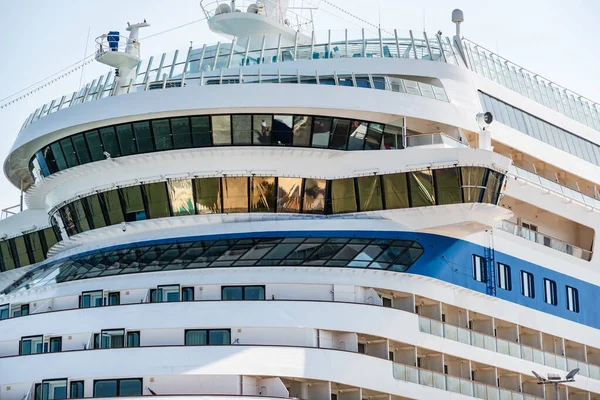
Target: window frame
207 331
243 287
479 270
118 386
530 292
572 299
504 270
550 292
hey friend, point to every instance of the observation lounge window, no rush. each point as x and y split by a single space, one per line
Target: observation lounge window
203 337
127 142
289 191
343 197
201 131
182 133
133 203
208 195
241 129
321 132
369 193
235 194
302 127
143 137
262 194
447 185
163 139
54 389
95 146
261 128
91 299
340 132
165 293
111 145
283 133
421 188
118 387
158 200
242 293
181 197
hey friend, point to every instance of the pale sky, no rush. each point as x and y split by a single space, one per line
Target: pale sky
554 38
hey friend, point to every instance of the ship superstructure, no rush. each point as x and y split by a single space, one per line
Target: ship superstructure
294 213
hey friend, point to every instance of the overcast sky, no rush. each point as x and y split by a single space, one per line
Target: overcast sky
554 38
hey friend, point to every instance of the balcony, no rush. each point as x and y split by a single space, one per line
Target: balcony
546 240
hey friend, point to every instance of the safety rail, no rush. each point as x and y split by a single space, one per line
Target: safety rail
531 85
506 347
189 63
455 384
546 240
116 43
440 138
8 211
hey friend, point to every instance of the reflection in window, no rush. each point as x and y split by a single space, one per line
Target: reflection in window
208 195
358 132
369 193
472 181
181 197
447 183
262 194
22 253
117 387
59 158
76 390
421 188
127 143
54 389
112 339
133 204
162 134
321 132
314 196
492 187
396 191
143 136
69 152
158 202
283 129
289 195
261 126
343 197
95 213
302 127
340 131
221 129
95 145
235 194
240 127
182 137
81 148
374 134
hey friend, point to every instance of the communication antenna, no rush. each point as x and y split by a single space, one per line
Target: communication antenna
458 17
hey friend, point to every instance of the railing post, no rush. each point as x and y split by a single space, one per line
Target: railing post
231 53
397 42
214 66
295 46
412 40
428 47
173 63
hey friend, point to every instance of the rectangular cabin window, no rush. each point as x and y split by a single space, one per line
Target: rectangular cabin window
479 268
301 130
235 194
262 194
201 131
340 131
208 195
321 132
527 288
241 127
54 389
447 185
504 281
143 136
4 311
76 390
572 299
112 205
81 149
202 337
374 136
163 139
133 203
357 135
181 196
289 195
343 196
117 387
91 299
369 193
112 339
182 137
421 188
126 140
261 129
242 293
314 196
221 129
158 199
95 146
550 296
32 345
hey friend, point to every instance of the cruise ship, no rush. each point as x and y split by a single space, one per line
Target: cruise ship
291 213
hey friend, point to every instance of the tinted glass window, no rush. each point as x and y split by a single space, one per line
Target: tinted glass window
196 337
218 336
314 196
201 134
221 129
133 203
95 214
69 152
158 202
143 136
289 194
81 149
162 134
283 130
182 137
181 195
421 188
472 182
107 388
261 128
447 184
127 143
302 128
374 133
358 133
111 143
369 193
235 194
130 387
95 146
208 195
242 129
396 191
321 132
59 158
343 196
232 293
339 138
262 194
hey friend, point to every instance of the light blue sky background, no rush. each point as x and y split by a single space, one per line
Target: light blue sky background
555 38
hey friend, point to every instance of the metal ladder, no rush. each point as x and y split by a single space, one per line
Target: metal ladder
490 264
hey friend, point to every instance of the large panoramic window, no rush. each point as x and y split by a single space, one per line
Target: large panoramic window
118 387
203 337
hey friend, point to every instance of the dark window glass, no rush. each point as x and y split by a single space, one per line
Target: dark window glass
472 183
8 260
48 160
95 214
127 142
374 134
54 389
283 130
68 218
289 194
21 249
421 188
358 132
49 237
59 158
143 136
242 129
254 292
339 138
95 146
221 129
114 299
262 194
343 196
187 294
261 128
162 134
69 152
79 214
181 196
369 193
314 196
201 135
158 202
55 344
81 149
208 195
492 187
113 339
133 339
196 337
111 143
219 337
235 194
182 137
112 205
35 243
232 293
133 203
105 388
447 184
302 128
76 390
321 132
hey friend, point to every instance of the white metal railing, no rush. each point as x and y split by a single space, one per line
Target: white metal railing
116 43
532 85
502 346
183 64
546 240
455 384
434 138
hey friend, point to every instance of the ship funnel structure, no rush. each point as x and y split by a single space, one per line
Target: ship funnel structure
121 52
253 19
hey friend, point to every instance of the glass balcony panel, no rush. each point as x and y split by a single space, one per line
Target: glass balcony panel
426 90
450 332
514 349
452 384
489 343
439 381
426 378
463 336
399 371
594 371
477 339
527 353
466 387
437 328
492 393
503 346
538 356
550 360
583 369
479 390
